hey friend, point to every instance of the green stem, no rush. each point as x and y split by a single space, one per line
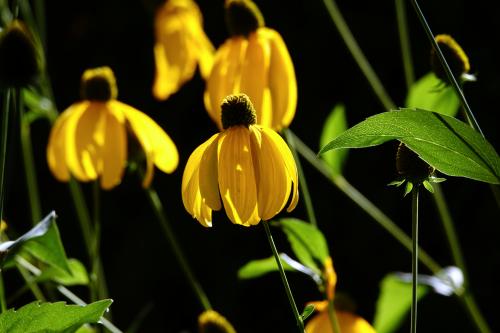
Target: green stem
358 55
83 215
3 146
302 178
99 288
3 303
404 42
172 240
296 313
414 259
29 166
444 63
473 310
385 222
449 228
334 321
30 283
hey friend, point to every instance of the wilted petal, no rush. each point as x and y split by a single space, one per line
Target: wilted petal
56 148
236 176
282 82
273 183
114 150
225 75
156 144
289 162
254 76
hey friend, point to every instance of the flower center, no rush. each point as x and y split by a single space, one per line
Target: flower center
243 17
454 55
411 166
237 110
98 84
19 57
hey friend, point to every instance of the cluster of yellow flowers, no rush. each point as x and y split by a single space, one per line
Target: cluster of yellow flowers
251 92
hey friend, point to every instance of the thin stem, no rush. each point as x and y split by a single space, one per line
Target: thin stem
449 228
444 63
66 292
302 179
3 302
99 288
83 215
385 222
276 255
30 283
172 240
333 317
29 166
358 55
473 310
414 259
404 40
3 146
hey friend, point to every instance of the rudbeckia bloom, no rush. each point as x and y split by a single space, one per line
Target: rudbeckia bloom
211 321
89 139
455 57
180 45
254 61
348 322
250 166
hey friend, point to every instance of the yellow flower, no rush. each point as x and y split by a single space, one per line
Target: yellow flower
180 45
254 61
211 321
454 55
348 322
249 165
89 139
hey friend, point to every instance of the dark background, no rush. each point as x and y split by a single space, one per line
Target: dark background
140 268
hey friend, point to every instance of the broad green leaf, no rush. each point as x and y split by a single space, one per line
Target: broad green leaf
39 317
86 329
307 242
430 93
257 268
78 274
308 310
394 303
335 124
446 143
42 241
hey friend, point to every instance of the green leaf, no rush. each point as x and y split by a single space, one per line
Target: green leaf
307 242
430 93
39 317
308 310
78 274
446 143
256 268
394 303
335 124
42 241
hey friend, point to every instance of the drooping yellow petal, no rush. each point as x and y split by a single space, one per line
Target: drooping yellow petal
157 145
348 322
289 162
254 76
209 185
225 76
273 181
56 148
236 176
85 137
191 196
282 81
114 150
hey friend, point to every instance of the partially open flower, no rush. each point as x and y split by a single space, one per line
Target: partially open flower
249 166
89 139
211 321
348 322
454 55
254 61
19 57
180 45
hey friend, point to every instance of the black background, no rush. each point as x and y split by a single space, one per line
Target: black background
140 268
